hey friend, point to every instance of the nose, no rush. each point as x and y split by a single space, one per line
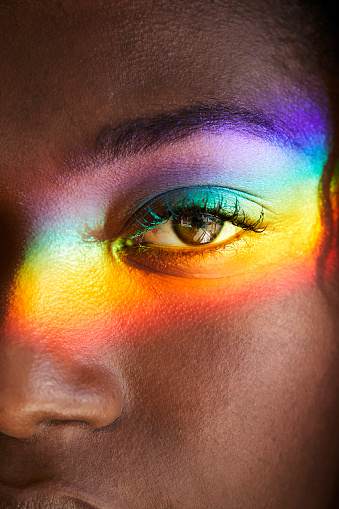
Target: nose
42 382
37 389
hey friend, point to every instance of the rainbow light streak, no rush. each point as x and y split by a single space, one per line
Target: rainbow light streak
76 293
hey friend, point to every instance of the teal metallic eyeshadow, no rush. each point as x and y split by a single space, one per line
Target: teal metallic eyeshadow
220 203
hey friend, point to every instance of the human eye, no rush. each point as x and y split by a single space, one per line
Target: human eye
192 232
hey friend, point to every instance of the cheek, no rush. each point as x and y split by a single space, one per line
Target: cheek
283 397
254 390
248 391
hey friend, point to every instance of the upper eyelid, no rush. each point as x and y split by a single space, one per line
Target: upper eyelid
234 191
147 225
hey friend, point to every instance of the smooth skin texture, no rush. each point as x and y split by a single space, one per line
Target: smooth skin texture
123 386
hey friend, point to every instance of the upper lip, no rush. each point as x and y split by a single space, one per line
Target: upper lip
48 496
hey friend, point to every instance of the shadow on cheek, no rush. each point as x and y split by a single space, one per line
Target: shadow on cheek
12 245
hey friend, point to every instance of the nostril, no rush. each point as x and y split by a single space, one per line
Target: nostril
25 421
48 392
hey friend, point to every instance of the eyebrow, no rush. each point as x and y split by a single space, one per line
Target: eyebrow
148 133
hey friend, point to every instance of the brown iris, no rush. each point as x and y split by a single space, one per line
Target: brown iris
197 229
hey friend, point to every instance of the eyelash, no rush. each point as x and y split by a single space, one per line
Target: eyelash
202 261
189 207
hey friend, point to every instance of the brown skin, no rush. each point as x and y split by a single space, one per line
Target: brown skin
227 410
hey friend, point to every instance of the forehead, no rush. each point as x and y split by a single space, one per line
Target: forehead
68 68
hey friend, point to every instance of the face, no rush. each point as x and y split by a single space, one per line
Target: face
168 327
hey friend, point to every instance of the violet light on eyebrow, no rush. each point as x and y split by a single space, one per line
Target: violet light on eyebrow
148 133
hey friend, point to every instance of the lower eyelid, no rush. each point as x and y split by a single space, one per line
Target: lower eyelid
200 262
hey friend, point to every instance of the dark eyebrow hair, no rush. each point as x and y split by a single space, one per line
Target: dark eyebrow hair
147 133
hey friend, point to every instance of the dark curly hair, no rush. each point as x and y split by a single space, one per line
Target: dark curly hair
328 22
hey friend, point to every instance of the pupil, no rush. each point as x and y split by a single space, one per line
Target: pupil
197 229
